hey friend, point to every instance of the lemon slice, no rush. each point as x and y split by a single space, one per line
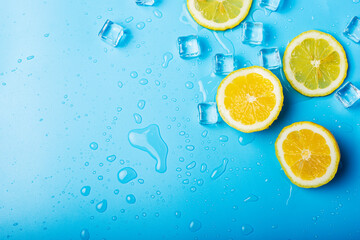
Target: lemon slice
308 153
250 99
219 14
315 63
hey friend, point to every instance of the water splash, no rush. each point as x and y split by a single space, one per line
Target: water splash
194 225
126 175
101 206
85 190
167 58
149 140
225 42
220 169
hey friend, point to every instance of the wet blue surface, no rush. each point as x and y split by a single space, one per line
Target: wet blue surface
69 101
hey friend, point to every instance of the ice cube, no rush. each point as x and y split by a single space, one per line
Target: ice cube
208 113
189 46
224 64
253 33
270 58
111 33
348 94
145 2
352 30
271 5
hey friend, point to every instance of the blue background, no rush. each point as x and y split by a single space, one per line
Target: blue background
54 104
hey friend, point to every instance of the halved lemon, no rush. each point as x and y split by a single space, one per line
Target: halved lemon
250 99
219 14
315 63
308 154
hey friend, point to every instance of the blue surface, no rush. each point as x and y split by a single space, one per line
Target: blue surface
62 88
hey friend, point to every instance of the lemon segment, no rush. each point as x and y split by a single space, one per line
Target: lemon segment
250 99
315 63
219 14
308 154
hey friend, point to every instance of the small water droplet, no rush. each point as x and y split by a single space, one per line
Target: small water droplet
137 118
111 158
143 81
30 57
195 225
84 234
120 84
191 165
130 199
190 147
129 19
94 145
101 206
246 138
140 25
189 85
203 167
251 198
223 138
220 169
246 229
157 13
204 133
134 74
141 104
85 190
46 35
178 214
126 175
167 58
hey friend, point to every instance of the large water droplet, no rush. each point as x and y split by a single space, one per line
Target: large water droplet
85 190
149 140
84 234
101 206
195 225
130 199
220 169
127 174
246 138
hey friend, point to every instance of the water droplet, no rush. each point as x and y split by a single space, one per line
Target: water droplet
129 19
204 133
141 181
203 167
195 225
157 13
141 104
30 57
220 169
193 189
19 60
185 181
178 214
137 118
46 35
120 84
84 234
246 229
126 175
94 145
191 165
134 74
130 199
101 206
111 158
140 25
251 198
149 140
143 81
167 58
200 182
85 190
190 147
246 138
223 138
189 85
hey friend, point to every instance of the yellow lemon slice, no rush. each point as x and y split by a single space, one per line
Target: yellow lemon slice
219 14
308 154
315 63
250 99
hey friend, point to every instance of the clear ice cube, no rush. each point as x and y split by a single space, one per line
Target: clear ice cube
270 58
348 94
145 2
189 46
352 30
111 33
271 5
253 33
208 113
224 64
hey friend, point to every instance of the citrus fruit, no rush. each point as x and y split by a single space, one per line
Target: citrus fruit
219 14
308 154
250 99
315 63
